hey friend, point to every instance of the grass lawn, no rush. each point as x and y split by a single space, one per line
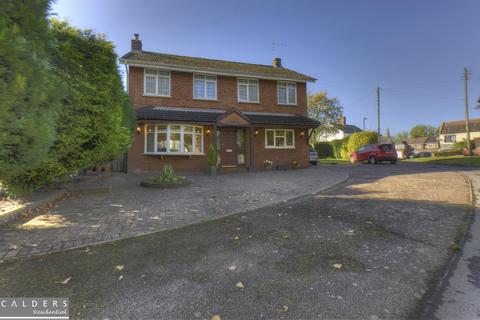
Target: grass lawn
451 160
332 161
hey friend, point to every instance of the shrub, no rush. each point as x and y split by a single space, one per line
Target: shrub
211 156
339 148
324 149
167 176
463 144
449 152
359 139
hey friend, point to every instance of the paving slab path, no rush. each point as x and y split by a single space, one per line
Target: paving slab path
130 210
366 249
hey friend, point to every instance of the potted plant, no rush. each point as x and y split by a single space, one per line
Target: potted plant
212 163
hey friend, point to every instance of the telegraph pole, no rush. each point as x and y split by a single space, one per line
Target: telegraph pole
467 124
364 119
378 112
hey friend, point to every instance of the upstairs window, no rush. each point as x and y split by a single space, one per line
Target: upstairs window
204 87
287 93
157 83
247 90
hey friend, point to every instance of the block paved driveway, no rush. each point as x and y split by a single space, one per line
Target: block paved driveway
366 249
130 210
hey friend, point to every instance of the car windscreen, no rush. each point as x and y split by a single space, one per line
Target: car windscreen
387 147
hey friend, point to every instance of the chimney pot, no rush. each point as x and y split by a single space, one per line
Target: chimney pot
277 62
136 43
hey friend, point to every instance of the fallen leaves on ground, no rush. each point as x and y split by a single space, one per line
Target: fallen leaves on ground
232 268
120 267
337 265
66 281
216 317
236 238
240 285
120 278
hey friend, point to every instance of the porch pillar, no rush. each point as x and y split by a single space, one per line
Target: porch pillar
251 144
214 133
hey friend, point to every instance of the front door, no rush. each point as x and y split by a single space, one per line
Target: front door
228 147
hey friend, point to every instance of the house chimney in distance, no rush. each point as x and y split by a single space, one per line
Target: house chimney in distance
342 120
277 62
136 43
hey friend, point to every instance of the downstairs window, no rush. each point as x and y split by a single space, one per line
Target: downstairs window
173 139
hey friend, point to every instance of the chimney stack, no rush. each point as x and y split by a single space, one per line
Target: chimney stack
277 62
342 120
136 43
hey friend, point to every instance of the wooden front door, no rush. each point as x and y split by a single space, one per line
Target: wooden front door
228 147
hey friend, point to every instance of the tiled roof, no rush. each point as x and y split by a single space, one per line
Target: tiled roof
459 126
212 65
420 140
211 116
350 128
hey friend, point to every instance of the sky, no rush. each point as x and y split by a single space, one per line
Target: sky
415 51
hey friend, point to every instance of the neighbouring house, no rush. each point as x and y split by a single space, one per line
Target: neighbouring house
421 144
344 130
251 114
455 131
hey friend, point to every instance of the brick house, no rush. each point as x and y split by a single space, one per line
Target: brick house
249 113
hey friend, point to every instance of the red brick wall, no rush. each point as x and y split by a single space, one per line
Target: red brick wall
182 94
137 161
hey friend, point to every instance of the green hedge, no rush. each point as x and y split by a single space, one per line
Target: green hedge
340 149
324 149
449 152
359 139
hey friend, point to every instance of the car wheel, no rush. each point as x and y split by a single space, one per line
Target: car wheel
313 163
372 160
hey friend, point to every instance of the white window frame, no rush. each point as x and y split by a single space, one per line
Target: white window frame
286 84
205 86
168 132
450 135
274 139
248 91
156 94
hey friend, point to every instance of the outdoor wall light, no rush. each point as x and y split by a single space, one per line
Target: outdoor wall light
302 133
208 131
139 130
256 132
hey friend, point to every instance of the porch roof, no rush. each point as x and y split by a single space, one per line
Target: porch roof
213 115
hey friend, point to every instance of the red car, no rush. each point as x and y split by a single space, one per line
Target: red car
375 153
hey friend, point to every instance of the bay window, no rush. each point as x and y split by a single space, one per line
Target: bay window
279 139
156 83
247 90
287 93
204 87
173 139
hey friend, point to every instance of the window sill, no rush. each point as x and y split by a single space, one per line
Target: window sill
280 148
173 154
251 102
201 99
287 105
156 95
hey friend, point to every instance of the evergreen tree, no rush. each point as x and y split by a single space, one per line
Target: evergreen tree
29 92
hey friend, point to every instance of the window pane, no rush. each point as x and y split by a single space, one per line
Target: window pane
162 142
211 78
187 129
199 89
150 128
198 143
174 142
252 91
211 90
289 140
279 141
280 133
150 83
242 93
162 127
187 142
270 140
151 72
291 95
198 130
282 95
150 141
175 128
163 86
164 74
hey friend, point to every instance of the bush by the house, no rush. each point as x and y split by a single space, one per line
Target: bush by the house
30 92
359 139
324 149
340 148
449 152
94 123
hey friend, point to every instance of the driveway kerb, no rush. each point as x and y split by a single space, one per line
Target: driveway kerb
344 180
426 308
